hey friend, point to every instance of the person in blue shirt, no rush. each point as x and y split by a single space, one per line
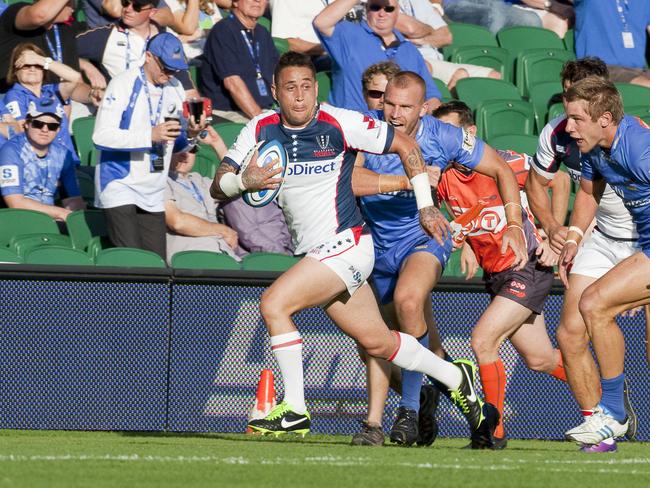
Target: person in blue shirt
26 75
615 31
34 168
353 47
616 151
408 262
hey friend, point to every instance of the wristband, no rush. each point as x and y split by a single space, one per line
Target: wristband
231 184
571 240
577 230
422 190
505 205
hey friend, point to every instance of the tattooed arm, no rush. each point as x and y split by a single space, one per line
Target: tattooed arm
434 223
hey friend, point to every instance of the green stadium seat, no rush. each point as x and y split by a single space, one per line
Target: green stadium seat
493 57
82 130
452 269
17 221
228 131
268 261
521 143
207 161
195 76
569 41
467 35
473 91
265 22
22 244
520 38
540 95
204 260
8 256
282 45
500 117
555 110
638 111
86 187
324 79
83 225
444 91
633 95
58 255
539 65
127 257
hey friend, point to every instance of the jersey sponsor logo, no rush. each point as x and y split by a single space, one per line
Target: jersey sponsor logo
14 109
469 141
489 220
560 149
357 276
517 288
370 122
307 169
9 176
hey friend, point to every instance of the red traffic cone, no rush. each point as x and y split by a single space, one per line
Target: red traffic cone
265 398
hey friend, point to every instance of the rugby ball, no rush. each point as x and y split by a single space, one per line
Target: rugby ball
270 153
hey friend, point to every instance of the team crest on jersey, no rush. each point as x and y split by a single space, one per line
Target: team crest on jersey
325 151
14 109
469 141
323 141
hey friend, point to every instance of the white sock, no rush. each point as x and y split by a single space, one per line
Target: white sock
287 349
411 355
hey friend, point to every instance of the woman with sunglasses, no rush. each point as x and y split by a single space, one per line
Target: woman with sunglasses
27 69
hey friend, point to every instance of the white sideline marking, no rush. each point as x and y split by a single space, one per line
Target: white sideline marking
507 464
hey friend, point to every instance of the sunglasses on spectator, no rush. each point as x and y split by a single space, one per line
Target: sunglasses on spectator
375 7
166 71
376 94
39 124
27 66
136 7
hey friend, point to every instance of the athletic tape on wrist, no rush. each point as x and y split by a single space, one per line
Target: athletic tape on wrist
422 190
231 184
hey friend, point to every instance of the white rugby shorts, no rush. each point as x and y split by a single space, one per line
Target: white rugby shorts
598 254
350 254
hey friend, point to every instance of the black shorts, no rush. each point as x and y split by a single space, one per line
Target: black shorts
528 287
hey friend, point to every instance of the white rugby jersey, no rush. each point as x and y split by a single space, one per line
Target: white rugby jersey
316 196
125 174
556 147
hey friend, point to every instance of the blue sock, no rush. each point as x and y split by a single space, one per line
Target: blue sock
612 398
412 382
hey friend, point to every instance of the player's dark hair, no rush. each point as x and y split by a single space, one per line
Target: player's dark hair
465 117
601 96
579 69
292 59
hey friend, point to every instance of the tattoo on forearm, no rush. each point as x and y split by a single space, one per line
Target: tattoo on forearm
414 162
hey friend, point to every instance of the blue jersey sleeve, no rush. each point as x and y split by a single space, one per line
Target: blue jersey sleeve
11 171
461 146
16 103
640 155
588 169
68 177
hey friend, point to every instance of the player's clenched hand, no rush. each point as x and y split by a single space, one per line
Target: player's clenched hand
256 178
557 237
514 239
468 262
567 255
435 224
545 255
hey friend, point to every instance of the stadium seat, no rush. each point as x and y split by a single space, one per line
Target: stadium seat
555 110
569 41
521 143
8 256
204 260
324 79
82 130
228 131
195 74
268 261
467 35
127 257
493 57
452 269
83 225
520 38
265 22
642 111
539 65
22 244
633 95
540 95
444 91
86 187
207 161
500 117
58 255
16 221
473 91
282 45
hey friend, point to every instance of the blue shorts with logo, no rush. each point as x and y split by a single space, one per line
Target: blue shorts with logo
389 263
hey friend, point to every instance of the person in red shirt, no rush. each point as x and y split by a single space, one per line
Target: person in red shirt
518 296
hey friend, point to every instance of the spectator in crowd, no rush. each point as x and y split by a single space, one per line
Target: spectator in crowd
33 166
183 23
615 32
190 211
353 47
114 49
492 14
292 20
556 15
26 76
238 63
208 16
374 81
136 145
422 24
8 125
42 23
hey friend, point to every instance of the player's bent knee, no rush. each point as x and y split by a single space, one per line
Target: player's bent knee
483 347
272 307
572 339
591 305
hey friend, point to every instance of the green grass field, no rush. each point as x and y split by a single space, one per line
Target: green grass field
97 459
